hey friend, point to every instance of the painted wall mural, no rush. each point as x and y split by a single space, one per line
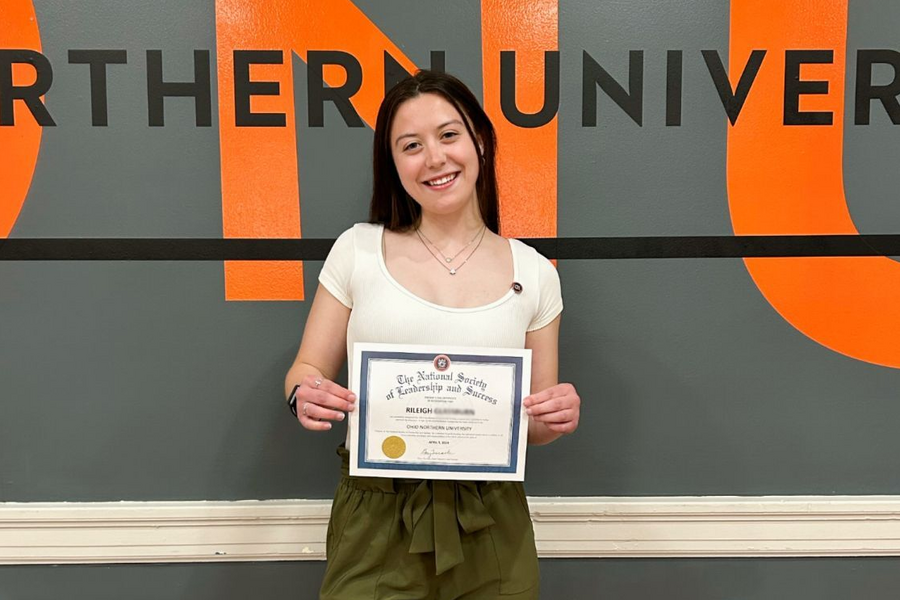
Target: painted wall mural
783 93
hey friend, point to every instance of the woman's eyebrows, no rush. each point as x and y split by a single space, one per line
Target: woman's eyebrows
441 126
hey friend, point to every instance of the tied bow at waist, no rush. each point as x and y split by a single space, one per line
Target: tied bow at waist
434 514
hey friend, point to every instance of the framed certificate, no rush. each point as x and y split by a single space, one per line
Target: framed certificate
437 412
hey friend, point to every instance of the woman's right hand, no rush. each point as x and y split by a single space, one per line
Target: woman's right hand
320 401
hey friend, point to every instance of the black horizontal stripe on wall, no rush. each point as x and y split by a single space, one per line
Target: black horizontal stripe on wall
593 248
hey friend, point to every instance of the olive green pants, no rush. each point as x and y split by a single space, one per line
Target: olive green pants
399 539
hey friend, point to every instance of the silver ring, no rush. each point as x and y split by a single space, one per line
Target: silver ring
318 383
303 410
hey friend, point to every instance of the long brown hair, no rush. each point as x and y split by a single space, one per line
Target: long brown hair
391 205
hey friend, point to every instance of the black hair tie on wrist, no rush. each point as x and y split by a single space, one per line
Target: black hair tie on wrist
292 400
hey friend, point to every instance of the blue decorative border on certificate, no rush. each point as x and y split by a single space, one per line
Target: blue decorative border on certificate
512 462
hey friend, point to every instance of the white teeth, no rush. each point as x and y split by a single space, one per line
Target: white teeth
442 180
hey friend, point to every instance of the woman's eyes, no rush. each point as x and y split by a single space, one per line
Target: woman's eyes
447 135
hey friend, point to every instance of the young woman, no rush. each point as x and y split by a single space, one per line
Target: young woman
431 268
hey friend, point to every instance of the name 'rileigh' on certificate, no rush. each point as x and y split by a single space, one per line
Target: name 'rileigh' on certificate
437 412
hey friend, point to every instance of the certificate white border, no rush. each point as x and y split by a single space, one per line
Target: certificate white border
362 352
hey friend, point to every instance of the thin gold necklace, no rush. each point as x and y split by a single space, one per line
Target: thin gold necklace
453 270
452 258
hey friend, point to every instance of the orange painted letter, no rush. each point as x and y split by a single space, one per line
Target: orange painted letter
20 143
789 180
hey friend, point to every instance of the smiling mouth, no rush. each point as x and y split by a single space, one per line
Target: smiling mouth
442 181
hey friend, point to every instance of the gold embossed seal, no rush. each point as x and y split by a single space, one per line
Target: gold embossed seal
393 447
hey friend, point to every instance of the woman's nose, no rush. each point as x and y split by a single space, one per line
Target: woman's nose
434 155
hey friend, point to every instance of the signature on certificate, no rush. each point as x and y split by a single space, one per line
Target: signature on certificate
432 452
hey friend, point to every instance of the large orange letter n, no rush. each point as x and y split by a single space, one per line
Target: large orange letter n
260 185
260 189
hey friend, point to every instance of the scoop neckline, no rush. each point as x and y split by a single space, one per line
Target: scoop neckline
383 265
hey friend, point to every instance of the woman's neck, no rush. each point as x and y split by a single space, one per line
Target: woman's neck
451 229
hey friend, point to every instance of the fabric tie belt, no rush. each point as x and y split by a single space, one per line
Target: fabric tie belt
434 514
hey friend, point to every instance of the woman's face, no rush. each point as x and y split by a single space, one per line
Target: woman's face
434 154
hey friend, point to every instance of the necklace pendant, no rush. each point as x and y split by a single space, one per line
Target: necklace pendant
453 271
449 259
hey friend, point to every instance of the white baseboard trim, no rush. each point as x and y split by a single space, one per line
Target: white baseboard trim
597 527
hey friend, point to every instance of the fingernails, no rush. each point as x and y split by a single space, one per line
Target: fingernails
327 425
528 411
351 408
351 398
340 416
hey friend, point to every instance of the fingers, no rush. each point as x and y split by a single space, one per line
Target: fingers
326 385
560 390
315 417
539 397
325 400
312 424
564 421
563 427
323 414
560 416
553 399
558 407
327 394
548 406
320 401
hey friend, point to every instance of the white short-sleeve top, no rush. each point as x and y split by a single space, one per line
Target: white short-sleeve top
384 311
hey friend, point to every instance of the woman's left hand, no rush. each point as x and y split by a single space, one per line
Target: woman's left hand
558 407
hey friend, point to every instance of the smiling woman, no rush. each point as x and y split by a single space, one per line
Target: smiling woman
436 159
431 268
426 130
